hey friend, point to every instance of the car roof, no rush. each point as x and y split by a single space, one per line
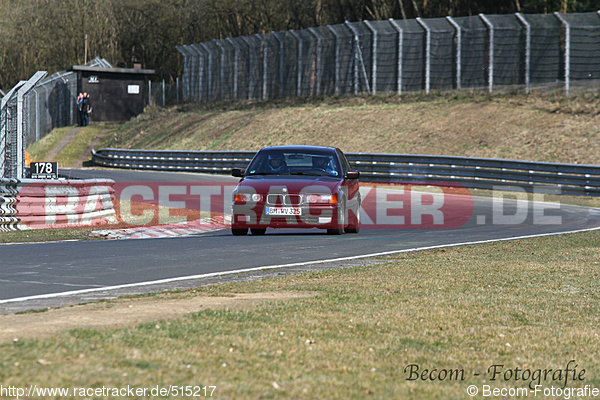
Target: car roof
299 147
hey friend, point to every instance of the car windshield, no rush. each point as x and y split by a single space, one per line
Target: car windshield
294 162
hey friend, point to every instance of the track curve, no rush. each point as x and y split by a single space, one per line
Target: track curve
46 274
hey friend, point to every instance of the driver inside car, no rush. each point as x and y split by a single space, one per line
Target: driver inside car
277 164
324 164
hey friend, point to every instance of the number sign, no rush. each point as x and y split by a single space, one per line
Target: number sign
44 170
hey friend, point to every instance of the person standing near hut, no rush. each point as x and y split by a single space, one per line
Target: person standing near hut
79 112
86 109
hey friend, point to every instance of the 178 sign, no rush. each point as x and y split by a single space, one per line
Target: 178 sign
44 170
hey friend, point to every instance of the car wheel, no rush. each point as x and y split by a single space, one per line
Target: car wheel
341 221
354 225
258 231
239 232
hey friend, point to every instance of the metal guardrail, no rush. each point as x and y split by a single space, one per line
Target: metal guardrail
477 173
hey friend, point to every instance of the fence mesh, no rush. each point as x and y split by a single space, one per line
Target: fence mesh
584 48
472 52
8 136
476 52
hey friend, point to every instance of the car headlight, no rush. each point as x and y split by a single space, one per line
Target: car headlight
247 197
322 199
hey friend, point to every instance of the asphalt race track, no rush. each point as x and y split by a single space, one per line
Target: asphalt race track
45 274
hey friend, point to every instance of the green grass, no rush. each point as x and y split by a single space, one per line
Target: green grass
47 235
66 157
532 304
71 153
42 147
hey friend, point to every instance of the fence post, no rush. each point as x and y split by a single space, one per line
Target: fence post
299 78
567 51
187 72
355 44
373 56
490 26
319 66
427 54
21 92
337 59
400 39
265 76
358 58
163 93
149 92
250 68
222 71
177 90
527 50
37 115
236 55
209 95
458 51
4 130
281 62
201 58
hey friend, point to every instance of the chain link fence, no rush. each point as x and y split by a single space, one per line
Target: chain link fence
14 127
482 52
53 103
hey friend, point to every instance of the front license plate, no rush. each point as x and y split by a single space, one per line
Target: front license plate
283 211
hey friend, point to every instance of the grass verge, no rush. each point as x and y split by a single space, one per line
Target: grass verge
528 304
75 148
42 147
47 235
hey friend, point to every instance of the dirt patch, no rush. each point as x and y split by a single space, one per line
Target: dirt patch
127 312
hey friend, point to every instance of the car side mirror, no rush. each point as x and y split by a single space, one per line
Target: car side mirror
352 175
237 172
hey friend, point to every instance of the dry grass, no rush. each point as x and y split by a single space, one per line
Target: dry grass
536 127
66 158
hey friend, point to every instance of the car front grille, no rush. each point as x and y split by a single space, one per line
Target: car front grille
285 199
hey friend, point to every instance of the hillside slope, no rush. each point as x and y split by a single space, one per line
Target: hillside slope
541 128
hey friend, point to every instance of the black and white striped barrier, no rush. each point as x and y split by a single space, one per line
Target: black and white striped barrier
37 204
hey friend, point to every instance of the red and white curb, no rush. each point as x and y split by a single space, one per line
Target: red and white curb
202 225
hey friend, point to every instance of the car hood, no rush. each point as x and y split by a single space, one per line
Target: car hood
293 183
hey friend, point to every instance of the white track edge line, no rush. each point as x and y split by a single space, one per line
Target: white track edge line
212 274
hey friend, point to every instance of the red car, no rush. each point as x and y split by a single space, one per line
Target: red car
296 187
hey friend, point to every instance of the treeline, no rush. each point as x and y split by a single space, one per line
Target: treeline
51 34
